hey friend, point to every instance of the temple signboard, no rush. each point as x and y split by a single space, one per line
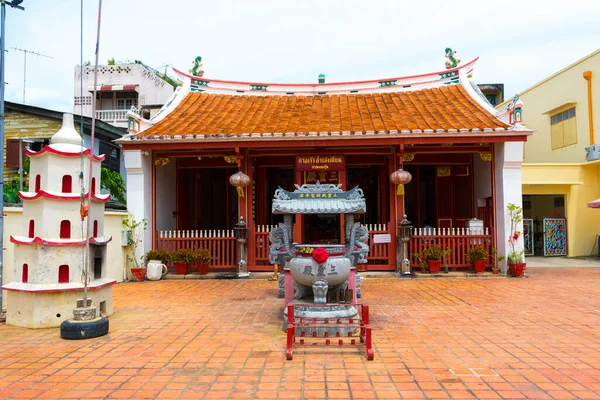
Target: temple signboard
321 163
320 168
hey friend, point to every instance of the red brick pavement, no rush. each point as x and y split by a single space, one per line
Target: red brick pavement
433 338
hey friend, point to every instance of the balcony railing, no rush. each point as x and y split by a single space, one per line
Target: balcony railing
112 116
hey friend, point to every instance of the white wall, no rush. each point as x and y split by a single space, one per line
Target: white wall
166 180
139 192
508 161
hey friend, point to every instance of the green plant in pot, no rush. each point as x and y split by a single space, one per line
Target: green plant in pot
182 258
515 256
495 260
202 258
433 257
158 255
478 257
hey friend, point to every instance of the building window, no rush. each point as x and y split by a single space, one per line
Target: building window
38 182
96 228
563 129
25 273
67 184
492 99
13 154
63 274
83 101
65 229
125 100
93 186
31 228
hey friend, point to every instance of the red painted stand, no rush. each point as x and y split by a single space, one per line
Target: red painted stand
361 323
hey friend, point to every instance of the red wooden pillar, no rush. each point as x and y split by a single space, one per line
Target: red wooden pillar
344 182
298 229
249 218
396 205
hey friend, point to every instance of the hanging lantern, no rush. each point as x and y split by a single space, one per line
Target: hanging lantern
400 178
240 180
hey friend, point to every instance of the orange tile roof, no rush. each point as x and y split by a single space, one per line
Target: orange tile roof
445 108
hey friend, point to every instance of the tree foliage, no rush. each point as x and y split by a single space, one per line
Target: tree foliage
113 182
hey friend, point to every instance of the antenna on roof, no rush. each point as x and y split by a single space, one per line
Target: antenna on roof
166 65
35 53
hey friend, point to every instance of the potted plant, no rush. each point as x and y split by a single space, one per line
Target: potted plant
202 259
182 258
133 232
516 256
433 256
478 257
495 260
162 256
156 261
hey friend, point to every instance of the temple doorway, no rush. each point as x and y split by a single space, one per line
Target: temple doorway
205 199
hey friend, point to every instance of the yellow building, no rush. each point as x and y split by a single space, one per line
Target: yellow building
561 163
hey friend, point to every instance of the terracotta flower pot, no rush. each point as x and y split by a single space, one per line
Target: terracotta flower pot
138 274
202 268
479 266
517 270
181 268
434 266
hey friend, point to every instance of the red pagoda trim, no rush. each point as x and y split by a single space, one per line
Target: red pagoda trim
48 195
50 149
39 240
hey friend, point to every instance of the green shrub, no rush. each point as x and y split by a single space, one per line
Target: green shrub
158 254
202 256
477 253
183 256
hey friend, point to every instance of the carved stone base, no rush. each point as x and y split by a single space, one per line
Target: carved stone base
320 292
330 311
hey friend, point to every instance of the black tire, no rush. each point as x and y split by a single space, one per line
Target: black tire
71 329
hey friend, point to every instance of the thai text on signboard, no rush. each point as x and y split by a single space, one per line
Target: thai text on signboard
382 238
320 163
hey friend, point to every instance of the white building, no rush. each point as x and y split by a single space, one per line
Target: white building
119 87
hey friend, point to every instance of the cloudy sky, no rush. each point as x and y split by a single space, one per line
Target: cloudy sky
519 42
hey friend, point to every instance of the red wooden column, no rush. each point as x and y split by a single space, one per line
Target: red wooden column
297 231
249 218
344 181
396 204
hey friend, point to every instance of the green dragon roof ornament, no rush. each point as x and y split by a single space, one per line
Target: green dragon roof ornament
197 68
452 62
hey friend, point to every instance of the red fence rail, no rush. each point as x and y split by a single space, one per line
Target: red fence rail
220 243
379 253
457 240
262 241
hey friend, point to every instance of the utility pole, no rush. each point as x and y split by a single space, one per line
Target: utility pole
13 4
35 53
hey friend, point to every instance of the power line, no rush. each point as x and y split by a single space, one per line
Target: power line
25 52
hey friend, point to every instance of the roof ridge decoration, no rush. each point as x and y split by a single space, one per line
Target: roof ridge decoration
198 83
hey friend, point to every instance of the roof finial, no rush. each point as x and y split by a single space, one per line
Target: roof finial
67 133
197 68
452 62
321 78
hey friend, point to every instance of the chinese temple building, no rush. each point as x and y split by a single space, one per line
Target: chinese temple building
464 157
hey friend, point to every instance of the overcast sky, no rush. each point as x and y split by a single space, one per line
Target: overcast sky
519 42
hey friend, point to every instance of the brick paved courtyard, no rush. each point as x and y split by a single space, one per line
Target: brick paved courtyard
433 338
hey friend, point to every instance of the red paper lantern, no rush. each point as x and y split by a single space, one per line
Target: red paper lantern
320 255
400 178
240 180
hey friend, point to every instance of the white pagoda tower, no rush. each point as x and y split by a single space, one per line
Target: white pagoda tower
49 255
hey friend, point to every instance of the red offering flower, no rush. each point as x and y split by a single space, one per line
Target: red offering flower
516 236
320 255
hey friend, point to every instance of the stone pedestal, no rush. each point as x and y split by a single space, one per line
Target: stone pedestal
332 311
